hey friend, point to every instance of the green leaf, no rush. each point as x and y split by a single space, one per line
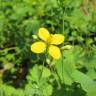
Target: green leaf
47 91
46 72
34 74
86 82
92 73
38 71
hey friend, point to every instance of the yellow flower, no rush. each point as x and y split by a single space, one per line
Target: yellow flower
48 41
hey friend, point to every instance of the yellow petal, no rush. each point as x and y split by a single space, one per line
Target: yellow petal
54 51
43 34
38 47
57 39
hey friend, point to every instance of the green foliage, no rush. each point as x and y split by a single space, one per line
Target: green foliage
23 73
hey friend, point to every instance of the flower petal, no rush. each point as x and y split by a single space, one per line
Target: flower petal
43 34
57 39
54 51
38 47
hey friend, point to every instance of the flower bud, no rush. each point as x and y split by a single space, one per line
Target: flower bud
66 47
34 36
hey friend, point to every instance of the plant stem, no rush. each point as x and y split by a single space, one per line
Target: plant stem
44 61
40 76
54 73
63 43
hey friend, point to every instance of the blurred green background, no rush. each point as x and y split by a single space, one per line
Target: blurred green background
75 73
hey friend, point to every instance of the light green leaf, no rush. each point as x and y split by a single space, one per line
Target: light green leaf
86 82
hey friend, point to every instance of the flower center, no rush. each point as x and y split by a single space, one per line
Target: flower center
49 40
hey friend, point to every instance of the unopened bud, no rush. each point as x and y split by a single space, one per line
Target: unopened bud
66 47
34 36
